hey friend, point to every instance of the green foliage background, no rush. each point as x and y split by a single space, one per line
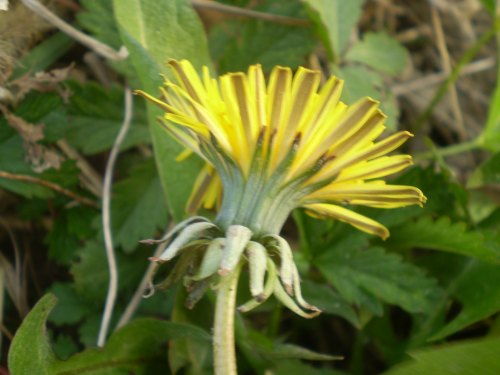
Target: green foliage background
425 301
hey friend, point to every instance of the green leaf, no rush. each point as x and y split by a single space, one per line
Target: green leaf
260 349
477 288
294 367
335 20
138 206
153 32
445 235
64 346
71 308
466 357
188 356
360 275
30 351
361 82
289 351
445 198
489 5
329 301
236 45
91 272
136 348
33 109
98 18
12 160
96 115
380 52
487 173
43 55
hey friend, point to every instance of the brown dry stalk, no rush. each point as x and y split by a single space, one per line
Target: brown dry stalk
50 185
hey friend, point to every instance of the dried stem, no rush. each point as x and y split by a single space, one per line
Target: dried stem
229 9
106 221
50 185
139 292
455 73
446 67
90 178
100 48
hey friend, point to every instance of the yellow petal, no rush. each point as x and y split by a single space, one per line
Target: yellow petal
347 216
189 79
205 190
368 153
380 167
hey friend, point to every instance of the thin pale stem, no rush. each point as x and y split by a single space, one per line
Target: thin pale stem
99 47
139 292
223 340
106 221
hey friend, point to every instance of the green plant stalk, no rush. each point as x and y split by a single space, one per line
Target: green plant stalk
455 73
223 338
450 150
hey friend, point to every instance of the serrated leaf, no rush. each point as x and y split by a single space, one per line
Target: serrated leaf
380 52
444 197
360 275
138 207
361 82
30 351
91 272
96 115
153 32
477 288
237 46
329 301
12 160
445 235
335 20
70 308
466 357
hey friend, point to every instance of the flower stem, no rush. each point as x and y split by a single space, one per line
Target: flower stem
223 340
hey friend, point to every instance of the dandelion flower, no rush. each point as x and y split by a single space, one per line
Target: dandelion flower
270 148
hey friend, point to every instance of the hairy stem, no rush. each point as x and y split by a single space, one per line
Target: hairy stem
223 340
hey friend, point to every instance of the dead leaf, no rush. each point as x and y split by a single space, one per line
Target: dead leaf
29 133
39 156
42 82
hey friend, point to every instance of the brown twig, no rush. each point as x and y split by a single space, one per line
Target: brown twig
424 82
229 9
49 185
446 67
90 178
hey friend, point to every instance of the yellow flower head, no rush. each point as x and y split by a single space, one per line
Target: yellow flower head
272 147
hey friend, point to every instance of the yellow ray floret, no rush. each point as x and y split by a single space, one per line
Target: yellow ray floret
290 143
